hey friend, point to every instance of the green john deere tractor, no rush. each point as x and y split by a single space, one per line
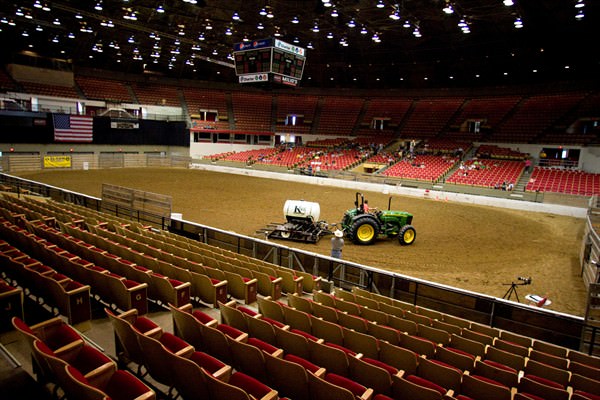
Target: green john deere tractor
366 227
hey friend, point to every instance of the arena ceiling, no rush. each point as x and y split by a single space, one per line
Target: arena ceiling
397 43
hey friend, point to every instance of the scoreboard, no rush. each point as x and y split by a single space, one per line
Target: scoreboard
269 60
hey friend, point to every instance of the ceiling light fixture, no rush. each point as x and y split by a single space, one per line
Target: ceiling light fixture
315 27
518 23
448 8
98 6
579 4
295 20
363 30
334 13
380 4
160 9
263 12
351 23
508 3
235 16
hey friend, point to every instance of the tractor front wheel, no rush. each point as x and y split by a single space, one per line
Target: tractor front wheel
364 231
407 235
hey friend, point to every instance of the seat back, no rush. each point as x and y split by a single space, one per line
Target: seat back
232 316
478 388
261 329
328 331
126 342
289 378
187 327
74 388
370 376
248 359
332 359
398 357
443 375
188 378
361 343
154 356
293 343
320 389
404 389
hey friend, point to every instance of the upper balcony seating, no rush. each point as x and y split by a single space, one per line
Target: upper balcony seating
103 89
339 115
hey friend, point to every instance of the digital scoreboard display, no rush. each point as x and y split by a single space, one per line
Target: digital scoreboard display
269 60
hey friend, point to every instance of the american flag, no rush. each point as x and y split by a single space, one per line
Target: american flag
72 128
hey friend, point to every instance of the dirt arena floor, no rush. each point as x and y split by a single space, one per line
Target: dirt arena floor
467 246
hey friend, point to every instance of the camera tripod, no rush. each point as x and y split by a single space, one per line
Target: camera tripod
512 290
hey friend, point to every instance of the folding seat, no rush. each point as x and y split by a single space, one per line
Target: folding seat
348 307
345 295
584 369
480 388
268 285
292 282
359 391
478 337
413 387
546 374
320 389
360 342
239 387
263 330
249 359
511 347
432 314
384 333
354 322
216 342
328 313
511 360
328 331
535 387
366 301
293 343
438 336
241 287
154 355
126 326
290 378
585 386
549 359
398 357
186 323
445 375
467 345
450 328
300 303
11 304
231 316
310 283
485 329
374 315
515 338
498 372
297 319
419 345
418 318
331 358
458 321
115 384
458 358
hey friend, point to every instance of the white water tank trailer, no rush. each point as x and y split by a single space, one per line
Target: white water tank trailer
302 223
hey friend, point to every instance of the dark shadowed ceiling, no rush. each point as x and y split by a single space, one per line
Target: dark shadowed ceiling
553 44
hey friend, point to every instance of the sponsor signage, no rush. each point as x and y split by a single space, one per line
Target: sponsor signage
57 161
253 78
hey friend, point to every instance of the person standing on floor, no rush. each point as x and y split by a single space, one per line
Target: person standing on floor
337 243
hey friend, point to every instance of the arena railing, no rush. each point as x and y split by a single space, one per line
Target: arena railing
536 322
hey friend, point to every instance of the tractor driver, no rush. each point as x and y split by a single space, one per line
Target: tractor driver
367 209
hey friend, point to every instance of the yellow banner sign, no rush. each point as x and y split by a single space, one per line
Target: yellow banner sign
57 162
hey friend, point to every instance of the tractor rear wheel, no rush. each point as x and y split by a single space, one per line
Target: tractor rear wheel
407 235
364 231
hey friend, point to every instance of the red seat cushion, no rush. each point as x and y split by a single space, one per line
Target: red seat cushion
274 322
342 348
545 381
202 316
143 324
172 342
264 346
206 361
531 396
299 360
124 386
229 330
88 359
499 365
488 380
248 311
377 363
305 334
443 364
587 395
356 388
249 384
417 380
464 353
